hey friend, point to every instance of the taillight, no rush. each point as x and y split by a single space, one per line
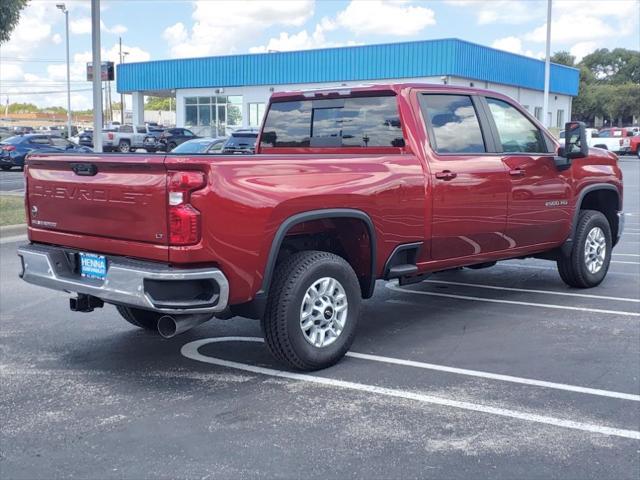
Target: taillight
8 148
110 136
184 219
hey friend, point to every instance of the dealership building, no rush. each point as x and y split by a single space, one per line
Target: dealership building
217 94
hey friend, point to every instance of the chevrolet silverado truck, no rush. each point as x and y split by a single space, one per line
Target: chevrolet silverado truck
348 186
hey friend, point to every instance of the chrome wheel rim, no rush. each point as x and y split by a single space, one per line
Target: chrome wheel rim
323 313
595 250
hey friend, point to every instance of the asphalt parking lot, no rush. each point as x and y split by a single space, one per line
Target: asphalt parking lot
503 373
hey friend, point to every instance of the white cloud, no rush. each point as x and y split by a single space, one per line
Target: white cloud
56 38
218 25
302 40
582 49
33 29
514 45
377 17
575 21
82 26
11 71
503 11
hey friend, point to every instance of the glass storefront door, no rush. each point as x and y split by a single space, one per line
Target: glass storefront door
214 116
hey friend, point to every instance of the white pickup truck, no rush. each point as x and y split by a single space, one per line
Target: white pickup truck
606 140
125 138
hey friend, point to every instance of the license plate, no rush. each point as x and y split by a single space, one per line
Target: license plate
93 266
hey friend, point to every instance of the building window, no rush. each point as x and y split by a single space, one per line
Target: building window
537 112
560 119
216 116
256 112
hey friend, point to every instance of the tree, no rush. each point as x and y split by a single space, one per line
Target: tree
615 66
9 17
22 108
158 103
563 58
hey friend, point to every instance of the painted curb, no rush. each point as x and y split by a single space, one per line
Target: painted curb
12 230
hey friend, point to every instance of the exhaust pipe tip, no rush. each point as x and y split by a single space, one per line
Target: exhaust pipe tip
167 326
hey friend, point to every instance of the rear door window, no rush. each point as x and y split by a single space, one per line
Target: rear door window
351 122
453 124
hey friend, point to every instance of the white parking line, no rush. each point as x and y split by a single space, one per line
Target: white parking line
527 290
540 267
496 376
514 302
626 254
190 350
626 263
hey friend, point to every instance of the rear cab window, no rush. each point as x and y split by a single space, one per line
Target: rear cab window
362 122
453 124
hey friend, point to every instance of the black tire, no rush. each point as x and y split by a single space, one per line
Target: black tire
171 146
145 319
573 268
5 168
124 146
281 321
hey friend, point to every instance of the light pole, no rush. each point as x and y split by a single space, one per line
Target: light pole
97 76
122 55
547 70
63 8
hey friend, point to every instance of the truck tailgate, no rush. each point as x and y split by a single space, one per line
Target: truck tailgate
99 197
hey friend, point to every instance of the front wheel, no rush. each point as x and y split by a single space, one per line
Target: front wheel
145 319
312 312
588 263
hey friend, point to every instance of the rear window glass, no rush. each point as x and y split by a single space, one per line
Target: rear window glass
243 140
350 122
13 140
454 123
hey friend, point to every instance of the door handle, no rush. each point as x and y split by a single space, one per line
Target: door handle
446 175
517 172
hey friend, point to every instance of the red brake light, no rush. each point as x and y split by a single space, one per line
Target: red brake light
184 219
8 148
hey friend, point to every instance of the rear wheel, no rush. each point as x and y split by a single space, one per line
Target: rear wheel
588 263
124 147
145 319
312 311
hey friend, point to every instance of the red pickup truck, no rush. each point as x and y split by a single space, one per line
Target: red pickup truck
348 186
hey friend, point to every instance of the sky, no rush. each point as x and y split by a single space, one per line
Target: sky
33 69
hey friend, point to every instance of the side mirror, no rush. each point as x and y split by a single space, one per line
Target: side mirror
575 140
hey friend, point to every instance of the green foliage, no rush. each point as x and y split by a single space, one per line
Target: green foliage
609 84
563 58
158 103
9 17
23 108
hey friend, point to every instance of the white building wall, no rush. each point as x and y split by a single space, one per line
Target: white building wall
261 93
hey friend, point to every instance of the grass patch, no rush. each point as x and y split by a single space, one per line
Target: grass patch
11 210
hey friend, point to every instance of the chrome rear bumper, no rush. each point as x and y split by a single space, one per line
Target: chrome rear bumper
128 282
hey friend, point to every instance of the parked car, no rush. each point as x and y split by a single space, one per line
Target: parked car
172 137
6 132
606 140
201 145
388 182
13 150
86 138
125 138
21 130
241 141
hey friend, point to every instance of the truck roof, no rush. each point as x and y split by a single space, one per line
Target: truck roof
388 88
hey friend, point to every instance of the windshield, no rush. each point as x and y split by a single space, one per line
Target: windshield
193 146
242 140
14 140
